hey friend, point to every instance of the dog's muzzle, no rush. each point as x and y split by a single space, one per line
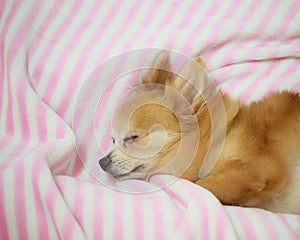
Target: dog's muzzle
104 163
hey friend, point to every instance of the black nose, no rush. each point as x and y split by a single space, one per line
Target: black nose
104 163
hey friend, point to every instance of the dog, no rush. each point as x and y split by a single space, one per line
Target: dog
259 162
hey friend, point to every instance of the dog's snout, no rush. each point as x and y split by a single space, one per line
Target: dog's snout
104 163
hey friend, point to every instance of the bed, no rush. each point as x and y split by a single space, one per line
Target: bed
64 65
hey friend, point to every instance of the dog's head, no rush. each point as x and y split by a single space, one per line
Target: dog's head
150 127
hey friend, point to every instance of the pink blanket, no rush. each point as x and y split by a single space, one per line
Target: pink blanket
54 124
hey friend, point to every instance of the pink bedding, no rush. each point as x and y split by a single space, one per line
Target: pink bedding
57 58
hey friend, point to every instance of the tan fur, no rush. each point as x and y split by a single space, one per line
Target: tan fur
259 165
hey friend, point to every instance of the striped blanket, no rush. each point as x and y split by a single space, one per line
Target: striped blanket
64 66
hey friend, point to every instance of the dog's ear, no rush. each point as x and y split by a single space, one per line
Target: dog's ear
191 82
160 70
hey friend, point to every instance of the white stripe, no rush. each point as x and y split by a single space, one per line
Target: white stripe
280 229
105 39
15 75
4 104
65 77
228 28
31 113
10 146
59 215
64 40
247 81
292 222
266 82
30 201
102 126
291 81
46 38
149 220
88 210
38 21
293 28
277 17
205 31
168 214
128 220
262 9
108 215
256 223
180 39
135 25
9 203
69 171
5 13
12 73
248 30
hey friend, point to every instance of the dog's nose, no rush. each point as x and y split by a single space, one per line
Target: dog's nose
104 163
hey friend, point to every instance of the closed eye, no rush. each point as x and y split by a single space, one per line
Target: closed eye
129 138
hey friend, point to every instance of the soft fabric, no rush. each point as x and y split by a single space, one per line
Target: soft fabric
51 186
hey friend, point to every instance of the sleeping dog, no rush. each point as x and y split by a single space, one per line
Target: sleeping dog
259 164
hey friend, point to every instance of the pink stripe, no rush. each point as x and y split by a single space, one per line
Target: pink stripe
163 27
89 134
61 129
148 19
9 18
78 203
3 217
50 48
267 19
240 44
202 23
77 168
42 31
62 160
2 7
98 212
269 228
245 228
159 231
296 87
255 84
2 81
118 214
13 51
137 208
9 113
21 100
239 81
41 121
68 228
66 231
222 224
60 64
20 200
281 79
39 170
15 154
51 197
217 34
77 71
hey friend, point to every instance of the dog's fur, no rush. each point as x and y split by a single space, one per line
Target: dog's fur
259 165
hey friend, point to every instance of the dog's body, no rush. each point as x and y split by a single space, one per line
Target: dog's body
259 165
